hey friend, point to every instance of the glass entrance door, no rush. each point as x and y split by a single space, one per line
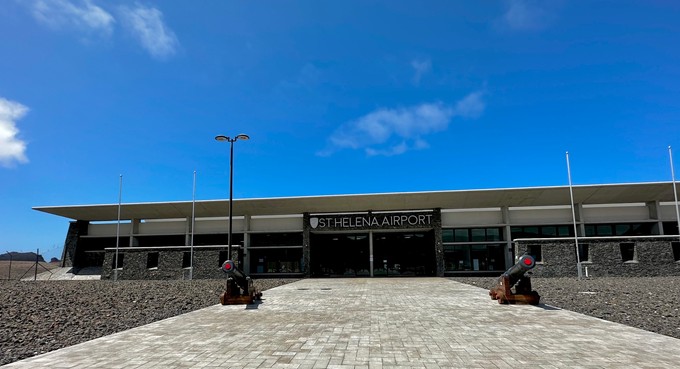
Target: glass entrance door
407 254
339 255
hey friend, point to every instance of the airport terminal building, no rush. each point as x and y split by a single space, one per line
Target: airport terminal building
622 229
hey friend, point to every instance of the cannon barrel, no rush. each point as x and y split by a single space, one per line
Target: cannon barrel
516 272
230 268
237 274
515 276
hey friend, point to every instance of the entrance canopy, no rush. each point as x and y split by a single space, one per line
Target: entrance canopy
461 199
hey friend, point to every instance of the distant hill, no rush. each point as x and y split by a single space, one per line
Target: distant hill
21 256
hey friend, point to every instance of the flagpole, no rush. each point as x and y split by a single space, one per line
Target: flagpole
675 191
193 224
573 217
120 196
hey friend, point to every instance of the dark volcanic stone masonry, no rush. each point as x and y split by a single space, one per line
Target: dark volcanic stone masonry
37 317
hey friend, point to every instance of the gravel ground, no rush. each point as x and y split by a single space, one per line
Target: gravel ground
649 303
37 317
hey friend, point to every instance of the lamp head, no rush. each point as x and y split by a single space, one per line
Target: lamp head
242 137
222 138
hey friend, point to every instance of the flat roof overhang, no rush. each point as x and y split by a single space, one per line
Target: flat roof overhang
458 199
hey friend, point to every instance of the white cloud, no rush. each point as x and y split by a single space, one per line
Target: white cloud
525 15
83 15
146 24
12 149
421 67
471 106
395 131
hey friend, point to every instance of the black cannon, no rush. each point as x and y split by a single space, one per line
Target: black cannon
240 287
516 277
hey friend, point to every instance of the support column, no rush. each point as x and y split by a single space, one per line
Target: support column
438 244
246 244
306 234
134 229
509 251
578 210
187 232
653 207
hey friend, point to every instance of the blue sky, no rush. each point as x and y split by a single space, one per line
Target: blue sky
338 97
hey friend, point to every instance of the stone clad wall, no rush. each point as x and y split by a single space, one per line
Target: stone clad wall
75 230
653 257
206 263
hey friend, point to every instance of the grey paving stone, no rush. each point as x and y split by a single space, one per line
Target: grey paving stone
373 323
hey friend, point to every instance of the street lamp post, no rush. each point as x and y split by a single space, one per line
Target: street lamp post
231 180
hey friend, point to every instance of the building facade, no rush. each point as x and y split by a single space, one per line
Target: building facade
444 233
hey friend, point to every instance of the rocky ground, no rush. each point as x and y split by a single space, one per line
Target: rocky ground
37 317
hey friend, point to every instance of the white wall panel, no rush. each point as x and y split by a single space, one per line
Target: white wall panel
537 216
276 224
218 226
169 227
108 229
615 214
667 212
471 218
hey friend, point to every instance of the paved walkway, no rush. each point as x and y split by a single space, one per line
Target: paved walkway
373 323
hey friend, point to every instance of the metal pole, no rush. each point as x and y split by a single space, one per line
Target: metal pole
193 224
675 191
231 180
9 272
120 196
573 216
37 255
231 194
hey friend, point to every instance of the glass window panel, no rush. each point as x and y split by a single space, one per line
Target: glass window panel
623 230
604 230
516 232
564 231
549 231
478 255
643 229
279 260
447 235
590 230
461 235
478 234
493 234
531 232
670 227
496 257
457 258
